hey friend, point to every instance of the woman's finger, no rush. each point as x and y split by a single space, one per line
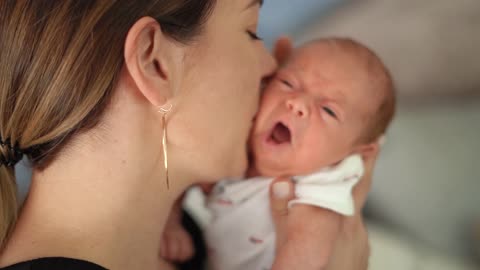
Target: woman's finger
352 248
360 191
283 49
281 192
371 156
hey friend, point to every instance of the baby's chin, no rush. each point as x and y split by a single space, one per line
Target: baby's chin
280 171
271 167
276 160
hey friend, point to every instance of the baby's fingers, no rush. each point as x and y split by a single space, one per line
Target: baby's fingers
173 248
283 49
186 250
164 248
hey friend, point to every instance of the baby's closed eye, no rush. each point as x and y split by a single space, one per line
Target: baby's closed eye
287 83
329 111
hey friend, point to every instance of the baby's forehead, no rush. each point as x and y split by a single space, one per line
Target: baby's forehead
324 51
305 53
322 62
343 65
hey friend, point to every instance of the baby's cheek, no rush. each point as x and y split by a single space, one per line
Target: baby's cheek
314 153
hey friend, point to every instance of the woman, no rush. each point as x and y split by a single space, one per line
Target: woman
88 91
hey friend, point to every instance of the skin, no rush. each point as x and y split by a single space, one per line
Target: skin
108 184
325 239
223 95
322 96
351 248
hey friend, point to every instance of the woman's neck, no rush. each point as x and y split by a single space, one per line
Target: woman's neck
96 204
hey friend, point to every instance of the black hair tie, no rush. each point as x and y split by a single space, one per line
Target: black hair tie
12 156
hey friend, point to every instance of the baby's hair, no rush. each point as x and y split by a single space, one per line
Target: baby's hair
379 79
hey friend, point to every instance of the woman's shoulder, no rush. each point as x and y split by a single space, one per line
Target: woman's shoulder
54 264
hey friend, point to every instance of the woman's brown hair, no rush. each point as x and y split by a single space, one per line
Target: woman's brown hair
59 63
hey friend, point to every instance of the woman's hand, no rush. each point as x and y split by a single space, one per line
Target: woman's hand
298 246
352 248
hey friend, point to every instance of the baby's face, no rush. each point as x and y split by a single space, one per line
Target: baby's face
312 112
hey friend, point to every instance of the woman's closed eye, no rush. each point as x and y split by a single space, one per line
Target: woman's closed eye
253 35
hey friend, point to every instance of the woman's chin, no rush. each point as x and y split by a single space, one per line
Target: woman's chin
230 169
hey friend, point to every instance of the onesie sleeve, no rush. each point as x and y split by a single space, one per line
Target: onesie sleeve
331 188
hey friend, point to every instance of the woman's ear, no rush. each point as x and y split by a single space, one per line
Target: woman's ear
283 49
150 60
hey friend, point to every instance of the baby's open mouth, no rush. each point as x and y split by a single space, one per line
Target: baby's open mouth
280 134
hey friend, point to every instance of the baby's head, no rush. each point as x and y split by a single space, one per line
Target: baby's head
332 98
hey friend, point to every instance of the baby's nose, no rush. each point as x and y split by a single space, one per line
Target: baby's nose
298 107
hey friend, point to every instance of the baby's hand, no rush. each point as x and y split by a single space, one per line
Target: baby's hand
176 245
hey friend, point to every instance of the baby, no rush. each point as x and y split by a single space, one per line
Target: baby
324 109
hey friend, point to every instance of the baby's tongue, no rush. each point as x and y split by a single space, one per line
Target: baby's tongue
281 134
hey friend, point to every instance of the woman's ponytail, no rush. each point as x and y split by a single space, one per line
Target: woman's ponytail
8 202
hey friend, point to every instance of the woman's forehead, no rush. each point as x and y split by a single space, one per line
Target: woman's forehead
231 8
253 3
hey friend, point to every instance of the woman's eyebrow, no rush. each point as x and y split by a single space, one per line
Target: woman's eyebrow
253 3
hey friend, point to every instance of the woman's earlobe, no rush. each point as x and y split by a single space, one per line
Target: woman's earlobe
147 60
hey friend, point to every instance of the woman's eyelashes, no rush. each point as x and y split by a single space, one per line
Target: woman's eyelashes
253 35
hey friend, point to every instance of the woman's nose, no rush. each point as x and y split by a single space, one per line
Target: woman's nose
298 107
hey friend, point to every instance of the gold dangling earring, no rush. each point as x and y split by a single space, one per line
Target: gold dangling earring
164 112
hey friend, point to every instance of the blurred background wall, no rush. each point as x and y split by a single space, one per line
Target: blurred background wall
426 185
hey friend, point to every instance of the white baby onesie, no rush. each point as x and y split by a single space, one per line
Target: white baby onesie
241 234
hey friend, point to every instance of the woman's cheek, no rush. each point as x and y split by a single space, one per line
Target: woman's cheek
251 90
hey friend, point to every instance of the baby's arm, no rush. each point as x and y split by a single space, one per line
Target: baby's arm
176 244
299 243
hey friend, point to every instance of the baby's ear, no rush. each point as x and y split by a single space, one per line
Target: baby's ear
283 49
368 150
